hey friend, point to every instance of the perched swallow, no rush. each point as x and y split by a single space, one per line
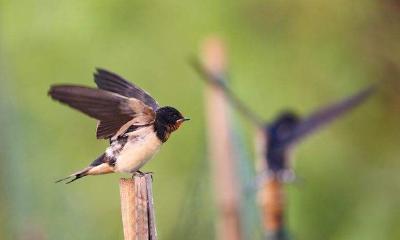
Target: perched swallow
130 118
288 128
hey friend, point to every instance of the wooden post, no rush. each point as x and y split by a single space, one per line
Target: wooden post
272 205
220 146
137 208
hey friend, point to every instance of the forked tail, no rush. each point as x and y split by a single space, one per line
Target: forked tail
75 176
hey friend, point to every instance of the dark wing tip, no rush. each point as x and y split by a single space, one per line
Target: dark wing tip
98 72
361 96
102 74
54 90
100 69
371 89
50 91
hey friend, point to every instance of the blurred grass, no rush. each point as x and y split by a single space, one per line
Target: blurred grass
283 54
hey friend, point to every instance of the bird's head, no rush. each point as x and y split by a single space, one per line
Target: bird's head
170 118
285 124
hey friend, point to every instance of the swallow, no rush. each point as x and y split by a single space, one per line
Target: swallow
288 129
133 122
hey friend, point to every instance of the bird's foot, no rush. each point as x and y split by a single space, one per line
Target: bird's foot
138 173
141 174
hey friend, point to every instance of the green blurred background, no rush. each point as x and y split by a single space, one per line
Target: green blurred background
297 54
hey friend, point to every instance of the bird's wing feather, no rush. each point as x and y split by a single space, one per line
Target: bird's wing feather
111 109
98 104
329 113
219 82
108 128
112 82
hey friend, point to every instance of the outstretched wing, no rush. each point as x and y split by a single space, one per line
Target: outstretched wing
111 109
329 113
219 82
112 82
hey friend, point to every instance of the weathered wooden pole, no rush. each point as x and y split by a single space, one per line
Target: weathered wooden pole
272 205
220 145
137 208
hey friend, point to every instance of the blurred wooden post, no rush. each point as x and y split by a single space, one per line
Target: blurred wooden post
272 205
137 208
271 197
220 146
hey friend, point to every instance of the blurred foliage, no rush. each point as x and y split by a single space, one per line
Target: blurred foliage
297 54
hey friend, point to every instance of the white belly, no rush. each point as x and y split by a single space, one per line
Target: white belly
137 152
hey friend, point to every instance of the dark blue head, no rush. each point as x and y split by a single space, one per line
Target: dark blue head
284 126
168 119
169 116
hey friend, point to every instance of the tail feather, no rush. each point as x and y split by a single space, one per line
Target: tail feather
62 179
75 176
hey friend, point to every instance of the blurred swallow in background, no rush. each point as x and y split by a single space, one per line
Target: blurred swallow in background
130 118
288 128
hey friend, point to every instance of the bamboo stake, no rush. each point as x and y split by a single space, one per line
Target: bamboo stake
220 147
137 208
273 208
150 207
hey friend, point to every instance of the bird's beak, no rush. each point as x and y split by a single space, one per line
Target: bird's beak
183 120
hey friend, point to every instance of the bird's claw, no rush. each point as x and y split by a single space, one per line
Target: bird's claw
141 174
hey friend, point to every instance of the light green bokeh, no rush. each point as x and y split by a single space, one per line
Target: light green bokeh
283 54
